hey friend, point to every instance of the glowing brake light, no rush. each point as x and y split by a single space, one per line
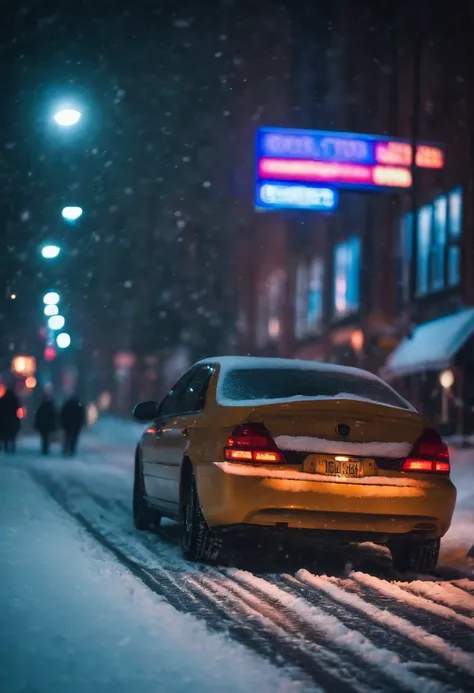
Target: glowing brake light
429 454
252 443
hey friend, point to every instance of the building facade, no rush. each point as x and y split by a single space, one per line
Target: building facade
340 287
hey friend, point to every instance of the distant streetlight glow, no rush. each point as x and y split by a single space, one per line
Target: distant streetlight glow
50 251
67 117
51 298
72 213
56 322
50 310
63 340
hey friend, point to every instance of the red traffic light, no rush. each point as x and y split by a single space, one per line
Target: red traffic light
49 353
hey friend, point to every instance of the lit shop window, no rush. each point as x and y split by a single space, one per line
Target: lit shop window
309 298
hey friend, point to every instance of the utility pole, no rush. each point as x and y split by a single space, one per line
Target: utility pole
415 132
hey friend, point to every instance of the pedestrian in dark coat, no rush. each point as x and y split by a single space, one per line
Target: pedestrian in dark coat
9 420
73 419
45 422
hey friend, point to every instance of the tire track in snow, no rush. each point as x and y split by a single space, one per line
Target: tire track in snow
443 593
426 661
312 658
458 628
459 660
332 630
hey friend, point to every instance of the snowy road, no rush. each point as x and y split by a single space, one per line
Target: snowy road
89 604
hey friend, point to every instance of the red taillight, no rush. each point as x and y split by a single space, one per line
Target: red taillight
429 454
252 443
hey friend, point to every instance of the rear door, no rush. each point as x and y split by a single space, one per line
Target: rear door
173 436
154 452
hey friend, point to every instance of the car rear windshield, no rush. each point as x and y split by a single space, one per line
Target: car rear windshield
274 383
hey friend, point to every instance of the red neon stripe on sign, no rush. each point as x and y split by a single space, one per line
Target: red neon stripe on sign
331 172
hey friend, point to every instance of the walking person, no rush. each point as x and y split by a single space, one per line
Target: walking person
72 421
45 422
9 420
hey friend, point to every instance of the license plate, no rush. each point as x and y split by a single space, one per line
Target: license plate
331 467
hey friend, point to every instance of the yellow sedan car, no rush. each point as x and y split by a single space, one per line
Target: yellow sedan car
245 444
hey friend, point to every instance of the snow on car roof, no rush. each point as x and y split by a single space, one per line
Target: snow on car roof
228 363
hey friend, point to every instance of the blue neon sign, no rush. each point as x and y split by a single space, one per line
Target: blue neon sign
342 147
279 195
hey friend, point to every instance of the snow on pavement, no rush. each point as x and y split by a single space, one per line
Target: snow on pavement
284 623
75 620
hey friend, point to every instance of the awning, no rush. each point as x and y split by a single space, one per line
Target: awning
432 345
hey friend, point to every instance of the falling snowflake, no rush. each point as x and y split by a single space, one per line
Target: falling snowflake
206 184
128 191
128 284
182 23
25 215
218 55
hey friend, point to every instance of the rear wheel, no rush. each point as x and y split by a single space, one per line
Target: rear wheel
144 517
197 542
411 556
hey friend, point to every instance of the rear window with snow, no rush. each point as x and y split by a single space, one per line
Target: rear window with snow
277 384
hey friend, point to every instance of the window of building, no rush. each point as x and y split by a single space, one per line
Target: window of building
438 247
301 303
454 239
438 243
314 313
425 217
347 277
270 308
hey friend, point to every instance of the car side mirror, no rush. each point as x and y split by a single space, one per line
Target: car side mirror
146 411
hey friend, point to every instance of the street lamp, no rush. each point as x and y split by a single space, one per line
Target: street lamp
50 251
67 117
50 310
56 322
51 298
71 213
63 340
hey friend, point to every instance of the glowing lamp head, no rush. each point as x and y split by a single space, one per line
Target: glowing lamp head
63 340
49 252
71 213
56 322
50 310
446 379
67 117
51 298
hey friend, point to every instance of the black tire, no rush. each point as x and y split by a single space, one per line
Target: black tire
198 543
144 517
411 556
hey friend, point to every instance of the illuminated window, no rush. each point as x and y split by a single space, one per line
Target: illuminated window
455 229
347 277
405 256
309 298
425 216
315 296
301 304
270 308
438 246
